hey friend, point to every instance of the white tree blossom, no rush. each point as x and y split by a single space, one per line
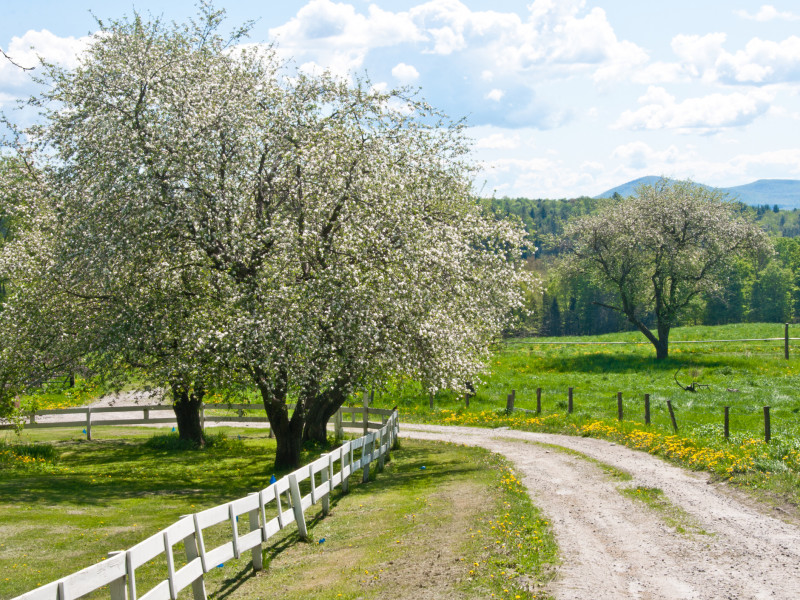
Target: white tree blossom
660 249
233 219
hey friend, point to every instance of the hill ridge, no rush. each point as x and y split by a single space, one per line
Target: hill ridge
783 192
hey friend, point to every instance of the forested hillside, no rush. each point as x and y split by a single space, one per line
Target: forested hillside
768 290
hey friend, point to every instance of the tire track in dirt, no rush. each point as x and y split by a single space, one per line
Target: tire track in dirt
613 547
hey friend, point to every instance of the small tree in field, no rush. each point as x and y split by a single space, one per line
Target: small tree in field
230 220
659 250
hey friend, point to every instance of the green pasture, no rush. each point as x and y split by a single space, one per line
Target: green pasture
65 502
745 376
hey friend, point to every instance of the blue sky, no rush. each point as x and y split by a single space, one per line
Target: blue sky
563 97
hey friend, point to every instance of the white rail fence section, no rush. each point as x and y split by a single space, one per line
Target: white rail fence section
86 416
269 511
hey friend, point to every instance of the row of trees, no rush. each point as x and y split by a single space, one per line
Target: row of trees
188 208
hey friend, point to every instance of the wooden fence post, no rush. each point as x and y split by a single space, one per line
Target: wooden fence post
337 425
619 406
369 444
381 458
466 400
347 460
647 409
190 547
118 588
297 507
258 558
672 416
510 402
538 401
727 423
786 342
325 476
365 412
569 401
89 423
430 401
767 427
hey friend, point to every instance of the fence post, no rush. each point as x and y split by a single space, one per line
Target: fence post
767 427
118 588
430 401
569 401
647 409
381 458
337 425
325 475
619 406
466 400
347 460
395 430
190 546
786 342
368 443
365 412
727 424
297 507
146 414
258 558
203 416
510 402
89 423
538 401
672 416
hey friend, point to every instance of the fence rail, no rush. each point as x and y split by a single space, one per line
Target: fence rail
269 511
357 417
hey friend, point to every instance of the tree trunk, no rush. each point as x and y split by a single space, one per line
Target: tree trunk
187 406
662 347
320 409
316 427
288 433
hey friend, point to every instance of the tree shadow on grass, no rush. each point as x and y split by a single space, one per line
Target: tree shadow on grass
609 362
137 472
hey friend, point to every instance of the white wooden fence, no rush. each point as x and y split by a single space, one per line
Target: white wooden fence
86 416
269 511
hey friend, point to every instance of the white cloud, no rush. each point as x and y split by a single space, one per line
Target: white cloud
405 73
335 36
495 95
761 62
26 51
768 13
707 114
498 141
638 155
554 37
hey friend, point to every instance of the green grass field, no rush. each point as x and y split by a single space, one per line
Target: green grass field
744 376
70 501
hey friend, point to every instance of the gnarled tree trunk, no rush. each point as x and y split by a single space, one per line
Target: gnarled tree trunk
186 405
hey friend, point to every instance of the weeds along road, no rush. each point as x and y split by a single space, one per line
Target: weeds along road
614 547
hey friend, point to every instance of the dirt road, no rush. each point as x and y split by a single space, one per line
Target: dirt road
613 547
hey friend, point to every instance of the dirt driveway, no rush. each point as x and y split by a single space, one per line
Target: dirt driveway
613 547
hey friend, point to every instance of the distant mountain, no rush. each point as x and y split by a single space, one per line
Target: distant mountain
783 192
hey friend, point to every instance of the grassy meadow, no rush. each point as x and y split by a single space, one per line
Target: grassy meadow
745 376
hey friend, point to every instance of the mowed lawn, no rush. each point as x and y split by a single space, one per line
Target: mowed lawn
435 506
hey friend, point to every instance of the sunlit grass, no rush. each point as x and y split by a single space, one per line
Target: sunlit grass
744 376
